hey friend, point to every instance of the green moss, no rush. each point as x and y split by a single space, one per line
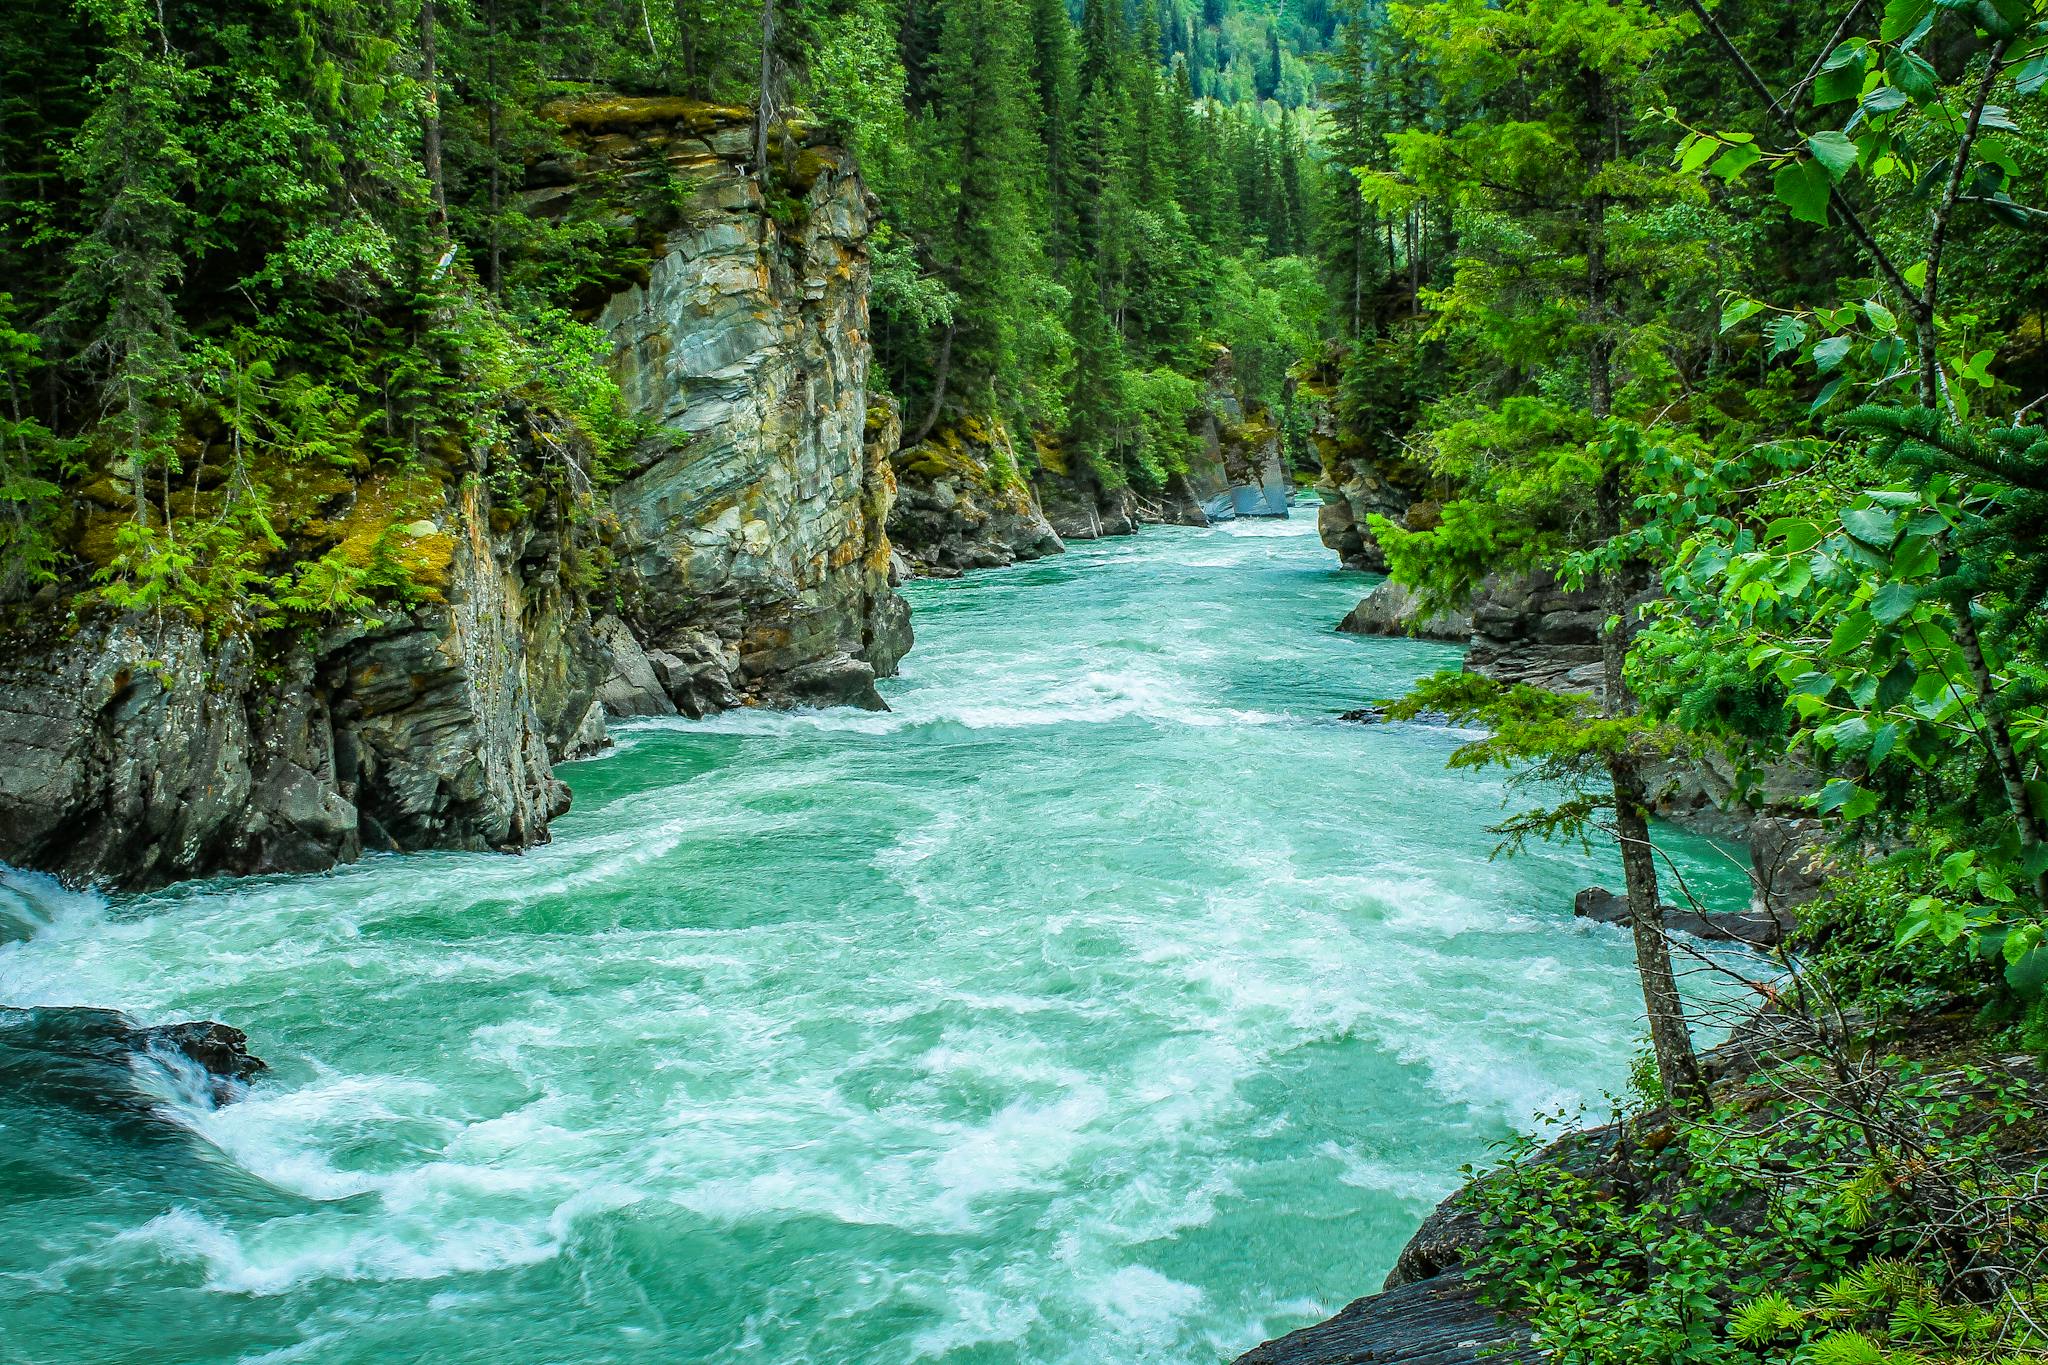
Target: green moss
620 113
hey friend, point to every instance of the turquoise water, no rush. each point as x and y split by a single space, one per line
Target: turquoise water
1106 1001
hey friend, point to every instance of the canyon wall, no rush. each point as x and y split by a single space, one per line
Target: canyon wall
741 559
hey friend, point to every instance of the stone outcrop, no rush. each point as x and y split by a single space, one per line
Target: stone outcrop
1077 504
964 503
740 559
752 544
85 1057
1394 609
1241 470
139 752
1759 926
1438 1321
1530 628
1357 484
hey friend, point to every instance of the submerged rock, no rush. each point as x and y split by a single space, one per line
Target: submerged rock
86 1058
1757 927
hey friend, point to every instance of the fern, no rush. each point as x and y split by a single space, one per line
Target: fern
1847 1348
1763 1318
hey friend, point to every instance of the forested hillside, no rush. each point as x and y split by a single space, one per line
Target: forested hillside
279 243
1731 318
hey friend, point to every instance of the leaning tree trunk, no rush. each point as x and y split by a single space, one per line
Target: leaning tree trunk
1670 1040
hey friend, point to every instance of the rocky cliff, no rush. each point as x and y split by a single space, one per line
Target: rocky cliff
1358 483
752 545
741 559
966 503
975 496
138 751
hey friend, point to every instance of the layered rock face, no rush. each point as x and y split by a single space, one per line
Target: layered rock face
1394 609
1242 469
965 504
1355 485
752 566
753 547
138 753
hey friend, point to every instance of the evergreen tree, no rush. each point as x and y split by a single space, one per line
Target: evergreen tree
1554 85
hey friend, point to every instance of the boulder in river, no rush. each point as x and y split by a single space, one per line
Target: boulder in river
1757 927
86 1058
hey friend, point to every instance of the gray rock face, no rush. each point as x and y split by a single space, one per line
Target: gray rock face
760 525
1080 508
1393 609
1242 468
1530 628
1758 927
1357 484
963 504
1438 1321
753 565
135 753
1791 856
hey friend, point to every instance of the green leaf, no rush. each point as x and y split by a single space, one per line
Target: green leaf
1799 534
1736 160
1901 17
1836 84
1880 316
1892 602
2031 76
1829 353
1737 310
1850 632
1916 557
2030 973
1912 73
1837 795
1785 333
1696 152
1871 525
1834 151
1802 186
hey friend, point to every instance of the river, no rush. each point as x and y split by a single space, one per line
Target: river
1107 1000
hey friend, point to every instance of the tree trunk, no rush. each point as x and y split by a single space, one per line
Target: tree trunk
430 123
1670 1040
764 110
1998 738
941 372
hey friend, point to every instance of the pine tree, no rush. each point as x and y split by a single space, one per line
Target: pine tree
1553 86
133 165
